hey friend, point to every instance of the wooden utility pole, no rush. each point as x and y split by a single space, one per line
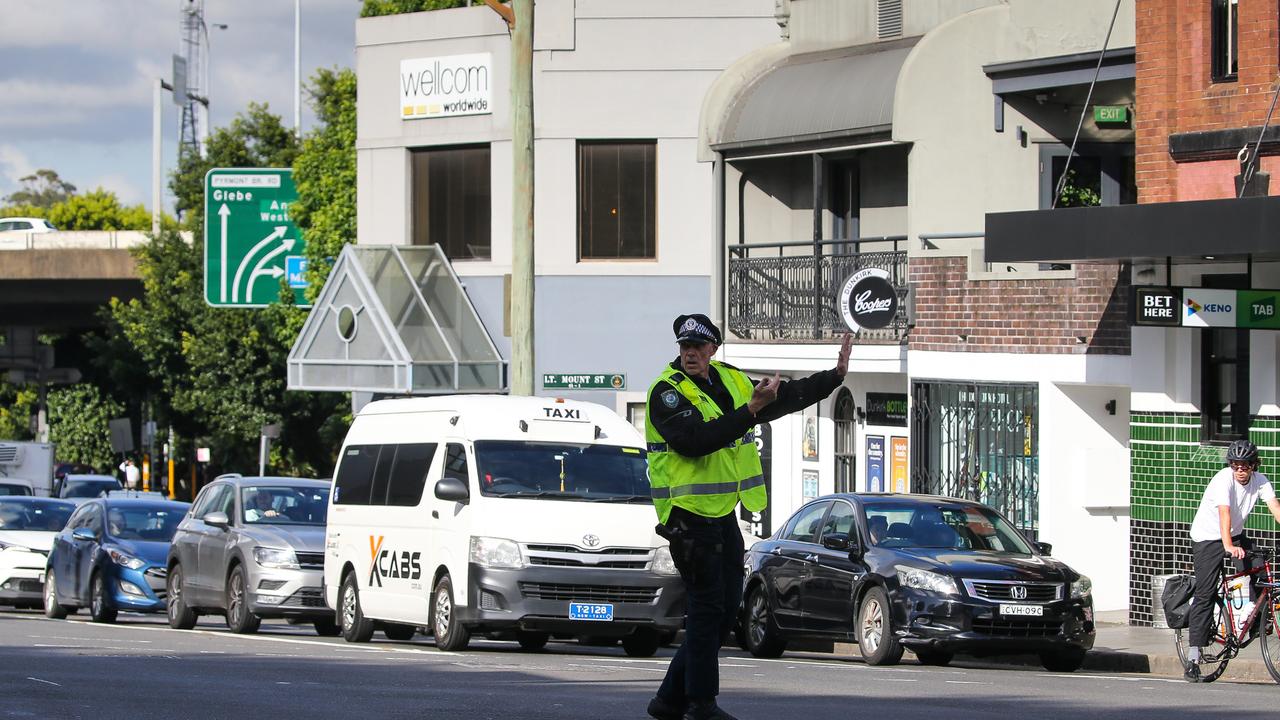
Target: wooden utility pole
522 198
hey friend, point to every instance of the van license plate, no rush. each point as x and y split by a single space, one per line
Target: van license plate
591 611
1022 610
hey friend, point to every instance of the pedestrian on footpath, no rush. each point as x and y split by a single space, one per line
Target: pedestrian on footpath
1218 528
699 426
131 474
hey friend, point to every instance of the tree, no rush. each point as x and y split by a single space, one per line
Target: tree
96 210
325 174
78 417
17 405
42 189
375 8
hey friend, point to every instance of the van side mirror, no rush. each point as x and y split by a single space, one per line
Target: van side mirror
217 519
1043 548
451 488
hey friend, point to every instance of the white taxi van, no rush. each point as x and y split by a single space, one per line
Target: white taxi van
509 517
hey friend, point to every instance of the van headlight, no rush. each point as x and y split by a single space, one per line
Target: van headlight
1081 587
496 553
924 580
663 564
276 558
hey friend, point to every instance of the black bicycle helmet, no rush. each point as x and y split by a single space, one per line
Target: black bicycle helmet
1242 451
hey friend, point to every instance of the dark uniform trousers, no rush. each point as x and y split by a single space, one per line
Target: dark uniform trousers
1207 559
710 564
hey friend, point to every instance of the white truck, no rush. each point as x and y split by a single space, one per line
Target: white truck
26 468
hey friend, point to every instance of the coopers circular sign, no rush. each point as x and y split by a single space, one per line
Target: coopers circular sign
868 301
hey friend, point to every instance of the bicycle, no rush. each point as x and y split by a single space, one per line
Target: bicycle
1226 641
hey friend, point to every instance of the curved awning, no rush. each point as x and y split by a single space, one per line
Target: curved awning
817 96
394 319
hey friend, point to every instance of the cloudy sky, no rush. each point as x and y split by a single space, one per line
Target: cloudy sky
76 79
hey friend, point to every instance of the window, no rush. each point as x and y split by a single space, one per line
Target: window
804 527
455 463
409 473
353 483
1224 374
204 500
616 206
846 450
219 499
1225 28
840 520
451 201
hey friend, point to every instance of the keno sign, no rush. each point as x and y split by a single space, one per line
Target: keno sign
868 301
446 86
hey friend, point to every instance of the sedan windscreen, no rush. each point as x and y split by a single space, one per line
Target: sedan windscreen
924 525
284 505
573 471
153 524
47 516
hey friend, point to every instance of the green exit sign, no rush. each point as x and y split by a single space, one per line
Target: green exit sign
1110 114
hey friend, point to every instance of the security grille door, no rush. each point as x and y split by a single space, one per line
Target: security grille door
979 442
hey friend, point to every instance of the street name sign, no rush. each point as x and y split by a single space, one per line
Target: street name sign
249 240
584 381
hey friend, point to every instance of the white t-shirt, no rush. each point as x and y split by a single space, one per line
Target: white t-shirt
1224 490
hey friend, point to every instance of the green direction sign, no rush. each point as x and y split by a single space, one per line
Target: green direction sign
249 240
584 381
1258 309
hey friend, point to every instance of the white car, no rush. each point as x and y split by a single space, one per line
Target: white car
27 528
26 225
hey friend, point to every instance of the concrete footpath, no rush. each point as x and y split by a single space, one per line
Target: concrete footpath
1120 647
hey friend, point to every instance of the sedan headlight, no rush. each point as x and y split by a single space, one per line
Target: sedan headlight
495 553
663 564
1081 587
275 558
124 560
924 580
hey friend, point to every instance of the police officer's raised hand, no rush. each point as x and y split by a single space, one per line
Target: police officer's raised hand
766 392
842 362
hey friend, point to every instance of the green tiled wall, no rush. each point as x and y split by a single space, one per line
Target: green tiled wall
1169 468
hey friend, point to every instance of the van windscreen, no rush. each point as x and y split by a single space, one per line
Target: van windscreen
562 471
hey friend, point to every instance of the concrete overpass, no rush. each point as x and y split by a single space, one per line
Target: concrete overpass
60 279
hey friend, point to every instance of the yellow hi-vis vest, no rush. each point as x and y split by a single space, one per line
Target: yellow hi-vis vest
713 484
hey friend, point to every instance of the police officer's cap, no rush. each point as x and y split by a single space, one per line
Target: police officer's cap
696 328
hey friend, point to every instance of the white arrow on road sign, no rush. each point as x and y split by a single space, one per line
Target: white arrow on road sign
223 212
274 272
235 284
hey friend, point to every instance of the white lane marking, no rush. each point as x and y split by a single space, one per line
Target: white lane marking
597 667
46 682
1139 678
792 665
966 682
61 646
67 637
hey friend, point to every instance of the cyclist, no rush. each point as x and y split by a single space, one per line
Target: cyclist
1218 527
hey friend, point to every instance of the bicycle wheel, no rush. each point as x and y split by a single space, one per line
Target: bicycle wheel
1270 632
1213 657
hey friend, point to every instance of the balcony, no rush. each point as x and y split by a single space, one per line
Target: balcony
790 291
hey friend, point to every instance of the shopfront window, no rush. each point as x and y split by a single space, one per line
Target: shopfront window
1224 383
451 201
617 184
979 441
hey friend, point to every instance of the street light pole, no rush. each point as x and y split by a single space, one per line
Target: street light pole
522 255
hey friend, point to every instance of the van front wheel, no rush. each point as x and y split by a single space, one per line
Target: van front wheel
449 632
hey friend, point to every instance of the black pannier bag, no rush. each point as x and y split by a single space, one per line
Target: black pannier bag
1176 600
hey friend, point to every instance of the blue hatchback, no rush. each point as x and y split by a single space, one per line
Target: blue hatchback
111 557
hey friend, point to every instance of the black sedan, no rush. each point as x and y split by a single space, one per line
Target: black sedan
936 575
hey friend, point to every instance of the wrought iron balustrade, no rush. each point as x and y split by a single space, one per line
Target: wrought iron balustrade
778 291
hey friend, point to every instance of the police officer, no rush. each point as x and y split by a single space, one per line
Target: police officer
702 462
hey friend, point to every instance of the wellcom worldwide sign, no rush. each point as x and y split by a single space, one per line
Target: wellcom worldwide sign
446 86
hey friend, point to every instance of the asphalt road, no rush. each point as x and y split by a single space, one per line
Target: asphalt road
140 669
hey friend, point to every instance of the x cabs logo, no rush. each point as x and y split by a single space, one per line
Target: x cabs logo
388 564
375 546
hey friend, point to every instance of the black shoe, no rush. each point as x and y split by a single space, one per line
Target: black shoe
1192 673
706 711
662 710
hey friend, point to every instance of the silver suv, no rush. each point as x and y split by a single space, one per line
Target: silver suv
252 548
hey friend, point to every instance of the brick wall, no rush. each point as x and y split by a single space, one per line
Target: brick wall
1018 316
1175 93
